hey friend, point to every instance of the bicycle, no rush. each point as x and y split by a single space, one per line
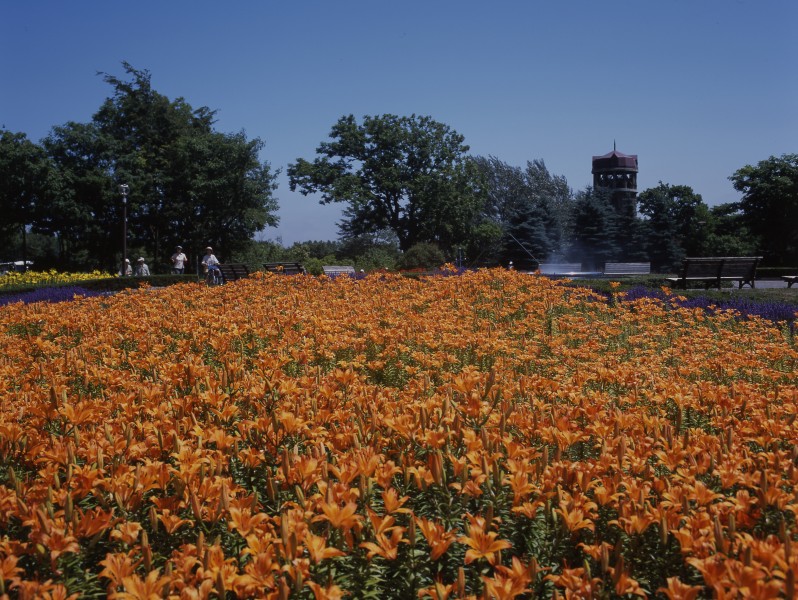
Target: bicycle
213 276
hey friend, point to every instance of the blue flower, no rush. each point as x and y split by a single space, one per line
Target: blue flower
778 312
49 294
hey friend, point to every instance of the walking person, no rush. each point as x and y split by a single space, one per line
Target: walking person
179 261
141 270
126 270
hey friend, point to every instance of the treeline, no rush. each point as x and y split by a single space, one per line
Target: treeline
413 197
188 183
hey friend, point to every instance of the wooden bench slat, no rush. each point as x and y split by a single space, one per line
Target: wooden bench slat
627 268
233 271
285 268
714 270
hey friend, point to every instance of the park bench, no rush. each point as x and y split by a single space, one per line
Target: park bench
233 271
559 268
285 268
336 270
714 271
616 269
790 279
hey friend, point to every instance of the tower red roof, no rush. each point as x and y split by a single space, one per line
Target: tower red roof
614 160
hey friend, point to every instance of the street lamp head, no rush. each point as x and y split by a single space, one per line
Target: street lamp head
124 189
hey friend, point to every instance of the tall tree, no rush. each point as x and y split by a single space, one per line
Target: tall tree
676 220
188 183
552 200
529 235
726 233
407 174
531 206
86 215
556 198
26 186
594 238
505 188
770 206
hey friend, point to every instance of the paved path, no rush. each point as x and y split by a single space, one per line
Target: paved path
772 283
761 284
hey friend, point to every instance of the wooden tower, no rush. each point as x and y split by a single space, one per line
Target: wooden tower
618 172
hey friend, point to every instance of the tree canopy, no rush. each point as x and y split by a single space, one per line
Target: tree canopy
26 185
594 238
189 184
410 175
675 219
531 206
405 181
770 205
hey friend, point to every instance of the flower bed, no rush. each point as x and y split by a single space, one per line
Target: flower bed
31 279
489 435
49 294
778 312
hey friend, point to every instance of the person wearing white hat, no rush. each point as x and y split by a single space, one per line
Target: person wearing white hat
179 261
141 270
210 265
126 269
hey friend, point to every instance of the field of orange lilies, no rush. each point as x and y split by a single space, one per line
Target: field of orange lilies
490 435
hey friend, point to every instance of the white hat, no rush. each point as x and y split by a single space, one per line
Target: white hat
209 248
141 259
127 260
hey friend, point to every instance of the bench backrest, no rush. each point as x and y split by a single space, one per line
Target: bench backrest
285 268
559 268
335 270
630 268
732 267
233 271
701 267
740 267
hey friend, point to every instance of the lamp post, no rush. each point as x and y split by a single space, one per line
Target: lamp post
124 189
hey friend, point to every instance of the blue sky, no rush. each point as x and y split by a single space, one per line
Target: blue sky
696 88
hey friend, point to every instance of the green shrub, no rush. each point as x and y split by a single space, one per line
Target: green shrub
423 255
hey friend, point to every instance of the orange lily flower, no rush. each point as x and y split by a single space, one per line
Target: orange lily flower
386 547
331 592
437 537
319 550
576 582
9 570
92 522
244 522
636 524
259 574
676 590
136 588
625 585
482 544
575 520
437 591
508 582
127 532
116 568
340 517
393 503
172 523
